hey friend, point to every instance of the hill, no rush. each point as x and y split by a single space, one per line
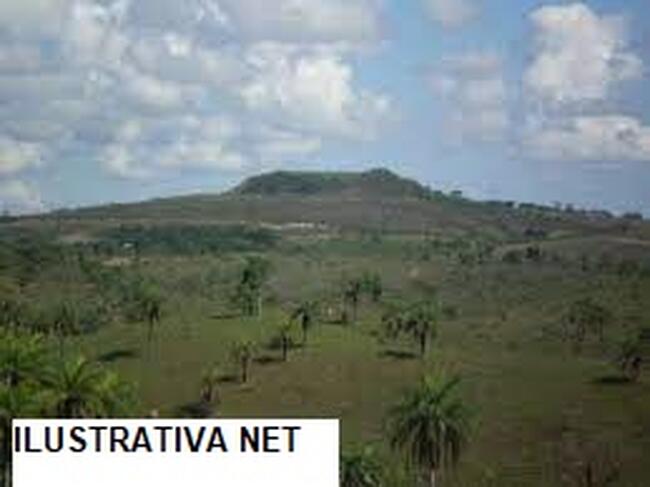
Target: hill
377 200
376 183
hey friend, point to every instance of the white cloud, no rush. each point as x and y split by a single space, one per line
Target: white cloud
158 93
19 58
580 56
592 138
33 18
311 91
297 21
451 13
19 197
186 142
472 89
93 35
276 145
117 79
16 156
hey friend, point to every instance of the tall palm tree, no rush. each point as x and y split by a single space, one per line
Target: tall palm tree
253 278
209 393
431 425
418 320
285 339
360 469
242 353
21 368
15 402
305 313
421 323
352 296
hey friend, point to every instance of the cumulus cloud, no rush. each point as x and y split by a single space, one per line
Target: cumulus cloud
16 156
150 87
580 56
312 91
278 144
580 59
451 13
473 89
351 21
33 18
19 197
143 148
592 138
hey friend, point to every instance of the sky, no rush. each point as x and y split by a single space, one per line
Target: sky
124 100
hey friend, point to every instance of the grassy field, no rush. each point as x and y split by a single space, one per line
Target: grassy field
542 409
537 402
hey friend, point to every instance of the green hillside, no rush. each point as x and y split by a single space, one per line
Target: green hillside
542 312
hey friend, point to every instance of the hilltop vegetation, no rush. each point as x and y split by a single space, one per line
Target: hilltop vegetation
376 183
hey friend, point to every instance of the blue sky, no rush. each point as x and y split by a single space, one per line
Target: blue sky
121 100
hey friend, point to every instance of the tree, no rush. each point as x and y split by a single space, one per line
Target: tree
209 393
418 320
585 316
285 339
360 469
81 389
248 294
22 363
373 286
15 402
634 350
22 357
242 353
148 306
32 384
305 314
431 425
66 322
351 297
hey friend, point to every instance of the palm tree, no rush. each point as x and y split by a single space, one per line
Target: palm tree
285 340
81 389
360 470
249 289
418 320
209 393
15 402
431 425
373 286
305 313
351 296
65 323
21 357
586 315
242 353
22 362
422 325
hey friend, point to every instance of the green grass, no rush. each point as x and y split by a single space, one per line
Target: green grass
533 397
539 407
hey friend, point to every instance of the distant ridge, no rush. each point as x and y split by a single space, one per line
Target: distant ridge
374 183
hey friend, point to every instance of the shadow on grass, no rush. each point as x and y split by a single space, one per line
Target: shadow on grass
398 354
228 379
195 410
267 360
613 380
275 346
226 316
118 354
